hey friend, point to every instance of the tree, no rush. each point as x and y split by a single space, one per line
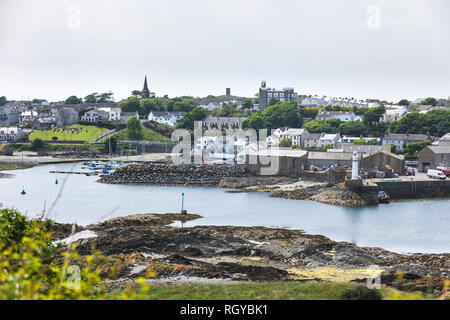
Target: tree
37 144
429 101
372 121
73 100
131 104
54 138
3 100
276 116
179 104
352 128
91 98
403 102
105 97
434 122
148 105
309 112
286 143
413 148
197 114
134 128
136 93
247 104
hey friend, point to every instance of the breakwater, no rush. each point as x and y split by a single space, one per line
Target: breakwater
404 189
169 174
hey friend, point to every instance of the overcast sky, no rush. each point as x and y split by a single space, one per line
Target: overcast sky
347 48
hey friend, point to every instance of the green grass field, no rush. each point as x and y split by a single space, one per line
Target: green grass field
294 290
72 133
147 135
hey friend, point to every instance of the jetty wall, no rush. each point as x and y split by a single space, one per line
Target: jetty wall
405 189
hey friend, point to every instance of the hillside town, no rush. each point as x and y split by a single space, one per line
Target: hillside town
326 134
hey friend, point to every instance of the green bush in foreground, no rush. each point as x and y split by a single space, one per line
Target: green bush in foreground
32 267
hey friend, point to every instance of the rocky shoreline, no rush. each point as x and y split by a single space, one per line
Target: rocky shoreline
139 244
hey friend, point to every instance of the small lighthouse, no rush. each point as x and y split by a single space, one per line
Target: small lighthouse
355 166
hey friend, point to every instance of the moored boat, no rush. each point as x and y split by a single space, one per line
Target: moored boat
383 197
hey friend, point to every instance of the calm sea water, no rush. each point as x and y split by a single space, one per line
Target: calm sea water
402 226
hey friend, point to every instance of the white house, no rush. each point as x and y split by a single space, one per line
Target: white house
297 136
95 115
394 113
11 134
113 113
312 140
401 140
341 115
28 116
169 118
327 139
350 139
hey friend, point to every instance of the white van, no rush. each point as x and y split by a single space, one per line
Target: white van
436 174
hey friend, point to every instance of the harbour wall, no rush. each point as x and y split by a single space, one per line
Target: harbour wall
405 189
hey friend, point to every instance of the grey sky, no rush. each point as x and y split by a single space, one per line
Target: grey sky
200 47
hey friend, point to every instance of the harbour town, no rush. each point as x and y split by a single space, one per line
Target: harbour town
234 152
316 181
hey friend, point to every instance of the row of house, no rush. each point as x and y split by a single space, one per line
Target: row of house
11 134
343 116
322 101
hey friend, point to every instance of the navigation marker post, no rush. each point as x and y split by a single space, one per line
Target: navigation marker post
182 204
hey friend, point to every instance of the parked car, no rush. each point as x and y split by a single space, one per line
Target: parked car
436 174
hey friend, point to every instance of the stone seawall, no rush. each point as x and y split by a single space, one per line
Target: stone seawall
404 189
169 174
416 189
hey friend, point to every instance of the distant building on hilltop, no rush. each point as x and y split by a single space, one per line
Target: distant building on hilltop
269 95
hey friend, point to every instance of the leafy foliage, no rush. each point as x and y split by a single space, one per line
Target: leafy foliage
278 115
429 101
3 101
286 143
352 128
434 122
134 128
413 148
197 114
73 100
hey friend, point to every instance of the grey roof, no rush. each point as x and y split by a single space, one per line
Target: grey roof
439 149
223 120
397 156
328 114
313 136
280 152
402 136
128 114
315 155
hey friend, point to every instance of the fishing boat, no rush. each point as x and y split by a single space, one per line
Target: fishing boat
383 197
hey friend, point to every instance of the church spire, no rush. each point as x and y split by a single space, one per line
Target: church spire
145 91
